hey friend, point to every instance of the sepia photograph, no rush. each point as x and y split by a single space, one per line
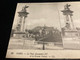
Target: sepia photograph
36 26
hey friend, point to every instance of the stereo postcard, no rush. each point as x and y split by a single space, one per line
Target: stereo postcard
45 31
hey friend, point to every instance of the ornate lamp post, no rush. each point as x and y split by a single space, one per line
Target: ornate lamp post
43 33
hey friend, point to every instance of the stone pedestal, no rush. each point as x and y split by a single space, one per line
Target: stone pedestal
71 40
19 35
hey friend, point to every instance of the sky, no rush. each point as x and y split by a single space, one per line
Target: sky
48 14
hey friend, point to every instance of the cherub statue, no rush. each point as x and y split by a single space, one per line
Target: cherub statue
66 7
24 8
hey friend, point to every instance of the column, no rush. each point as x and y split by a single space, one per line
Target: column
22 25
